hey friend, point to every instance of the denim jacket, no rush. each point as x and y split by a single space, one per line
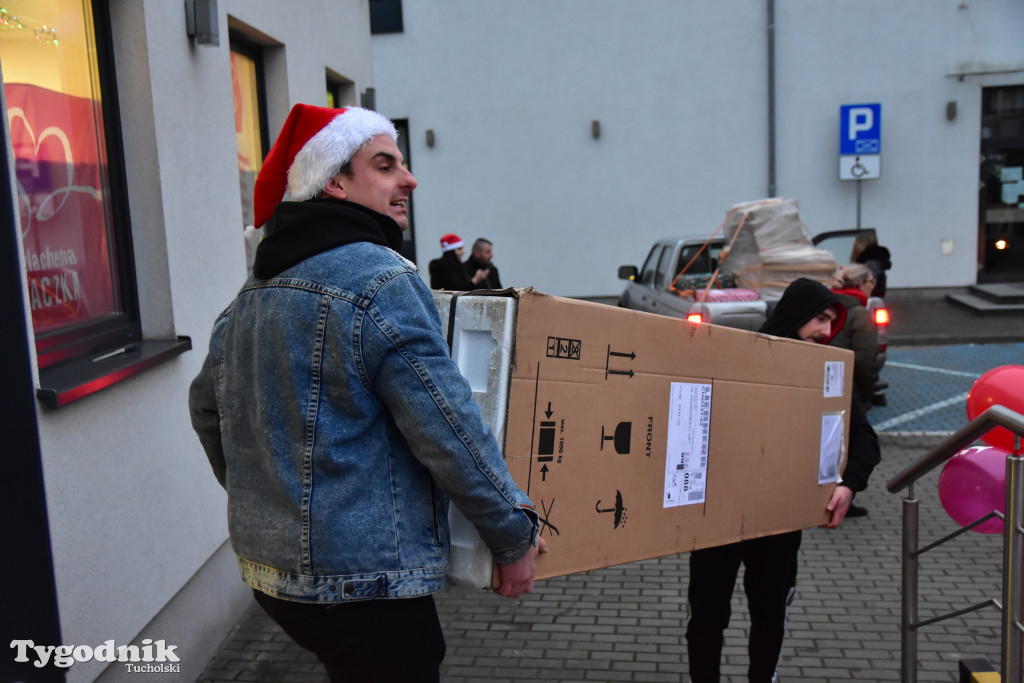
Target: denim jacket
333 416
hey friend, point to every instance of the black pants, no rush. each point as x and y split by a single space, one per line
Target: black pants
768 580
371 641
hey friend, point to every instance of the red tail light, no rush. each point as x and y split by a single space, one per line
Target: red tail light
694 318
881 316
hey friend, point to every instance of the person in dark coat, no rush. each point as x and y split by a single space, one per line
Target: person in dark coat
866 250
807 311
480 259
448 273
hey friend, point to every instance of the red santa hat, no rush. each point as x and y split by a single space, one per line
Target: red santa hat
313 145
451 242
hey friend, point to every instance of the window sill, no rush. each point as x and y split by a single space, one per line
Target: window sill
72 381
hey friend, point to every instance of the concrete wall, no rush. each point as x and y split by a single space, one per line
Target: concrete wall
137 519
680 88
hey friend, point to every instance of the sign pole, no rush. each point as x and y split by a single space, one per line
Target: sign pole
858 202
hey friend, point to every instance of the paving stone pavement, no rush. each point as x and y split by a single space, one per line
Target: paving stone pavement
626 623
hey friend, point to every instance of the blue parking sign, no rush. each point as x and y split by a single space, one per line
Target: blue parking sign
860 129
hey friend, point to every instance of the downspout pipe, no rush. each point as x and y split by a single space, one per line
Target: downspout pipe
771 98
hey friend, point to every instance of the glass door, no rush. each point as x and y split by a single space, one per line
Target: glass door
1001 198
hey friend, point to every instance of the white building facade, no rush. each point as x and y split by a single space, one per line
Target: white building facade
572 134
128 241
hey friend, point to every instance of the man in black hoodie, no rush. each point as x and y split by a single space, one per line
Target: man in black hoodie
807 311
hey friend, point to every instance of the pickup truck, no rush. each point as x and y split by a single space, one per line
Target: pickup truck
650 288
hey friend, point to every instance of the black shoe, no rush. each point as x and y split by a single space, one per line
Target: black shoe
856 511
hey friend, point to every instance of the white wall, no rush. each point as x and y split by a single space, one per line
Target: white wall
135 513
680 89
901 55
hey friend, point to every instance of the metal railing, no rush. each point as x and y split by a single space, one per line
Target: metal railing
1010 606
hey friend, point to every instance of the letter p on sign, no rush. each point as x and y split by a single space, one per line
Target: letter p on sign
861 119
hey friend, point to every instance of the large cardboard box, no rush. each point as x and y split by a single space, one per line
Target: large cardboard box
638 435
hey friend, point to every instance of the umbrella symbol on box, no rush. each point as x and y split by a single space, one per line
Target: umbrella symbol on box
619 510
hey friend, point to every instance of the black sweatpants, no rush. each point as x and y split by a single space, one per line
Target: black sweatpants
369 641
769 579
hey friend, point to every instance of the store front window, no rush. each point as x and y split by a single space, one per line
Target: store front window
245 89
54 101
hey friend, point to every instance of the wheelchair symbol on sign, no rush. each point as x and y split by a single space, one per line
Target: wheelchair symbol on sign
859 170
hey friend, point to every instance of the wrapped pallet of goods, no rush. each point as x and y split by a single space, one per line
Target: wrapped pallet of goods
769 247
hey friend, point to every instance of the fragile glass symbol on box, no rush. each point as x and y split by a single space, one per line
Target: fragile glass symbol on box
623 431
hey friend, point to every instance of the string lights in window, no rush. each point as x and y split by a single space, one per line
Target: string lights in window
46 35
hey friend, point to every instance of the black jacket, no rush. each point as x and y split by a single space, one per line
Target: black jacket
492 281
801 301
878 260
447 273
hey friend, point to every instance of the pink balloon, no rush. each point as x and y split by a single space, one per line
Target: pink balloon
973 484
999 386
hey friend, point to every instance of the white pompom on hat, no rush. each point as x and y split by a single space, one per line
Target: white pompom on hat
314 143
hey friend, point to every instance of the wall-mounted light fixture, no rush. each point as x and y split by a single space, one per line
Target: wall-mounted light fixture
950 110
595 129
201 21
430 137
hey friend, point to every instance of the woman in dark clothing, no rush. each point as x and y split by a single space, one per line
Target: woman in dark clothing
866 250
808 311
448 273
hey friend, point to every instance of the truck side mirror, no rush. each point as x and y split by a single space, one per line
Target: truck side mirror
627 272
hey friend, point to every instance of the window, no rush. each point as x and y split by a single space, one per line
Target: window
341 92
408 249
385 16
250 118
650 265
663 275
70 195
333 94
1001 194
706 261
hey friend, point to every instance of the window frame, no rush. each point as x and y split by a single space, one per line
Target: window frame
408 248
89 337
386 17
79 359
650 267
663 271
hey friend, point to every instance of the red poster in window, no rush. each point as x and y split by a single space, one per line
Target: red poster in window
62 188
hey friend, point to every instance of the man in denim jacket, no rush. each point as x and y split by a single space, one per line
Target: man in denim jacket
335 419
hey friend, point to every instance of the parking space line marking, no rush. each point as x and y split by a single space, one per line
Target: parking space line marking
913 414
911 366
939 435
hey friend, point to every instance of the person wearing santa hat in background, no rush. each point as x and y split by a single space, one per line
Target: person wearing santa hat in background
449 273
334 418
